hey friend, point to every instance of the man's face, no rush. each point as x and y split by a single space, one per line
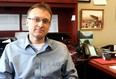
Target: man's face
38 23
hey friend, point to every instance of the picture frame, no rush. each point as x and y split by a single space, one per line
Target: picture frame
92 19
84 1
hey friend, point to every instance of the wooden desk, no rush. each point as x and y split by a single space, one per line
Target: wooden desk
104 67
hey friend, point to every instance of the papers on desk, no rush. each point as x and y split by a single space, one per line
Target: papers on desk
113 67
6 41
114 47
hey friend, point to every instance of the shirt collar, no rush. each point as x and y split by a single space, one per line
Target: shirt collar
27 42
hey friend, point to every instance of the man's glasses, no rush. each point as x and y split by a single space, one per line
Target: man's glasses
44 20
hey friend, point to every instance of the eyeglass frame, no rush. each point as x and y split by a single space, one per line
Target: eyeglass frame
38 19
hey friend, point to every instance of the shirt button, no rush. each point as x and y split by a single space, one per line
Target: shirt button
37 67
37 64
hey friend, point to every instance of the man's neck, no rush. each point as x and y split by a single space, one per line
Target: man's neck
37 41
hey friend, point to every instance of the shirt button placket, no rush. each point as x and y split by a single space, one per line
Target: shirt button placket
37 66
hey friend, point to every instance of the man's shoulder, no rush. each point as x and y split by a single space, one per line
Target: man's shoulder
56 43
18 42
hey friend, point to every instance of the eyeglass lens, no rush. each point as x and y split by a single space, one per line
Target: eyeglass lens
44 20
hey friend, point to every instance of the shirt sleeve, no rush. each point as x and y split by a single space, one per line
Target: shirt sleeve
5 71
69 68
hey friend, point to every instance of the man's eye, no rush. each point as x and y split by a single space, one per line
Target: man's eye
45 20
37 20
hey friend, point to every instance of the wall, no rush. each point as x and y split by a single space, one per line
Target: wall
108 34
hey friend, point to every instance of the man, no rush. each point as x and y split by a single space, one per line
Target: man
36 56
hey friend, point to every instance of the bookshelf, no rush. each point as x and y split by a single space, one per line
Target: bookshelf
65 9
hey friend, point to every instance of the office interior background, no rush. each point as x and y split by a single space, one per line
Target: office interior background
100 37
107 34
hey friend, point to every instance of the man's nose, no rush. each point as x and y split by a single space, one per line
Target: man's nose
40 24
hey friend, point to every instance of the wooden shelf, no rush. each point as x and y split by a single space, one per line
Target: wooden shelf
65 9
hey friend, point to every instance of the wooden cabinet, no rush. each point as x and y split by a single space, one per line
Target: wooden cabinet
65 9
50 1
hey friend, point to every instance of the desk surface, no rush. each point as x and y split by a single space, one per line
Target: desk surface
104 67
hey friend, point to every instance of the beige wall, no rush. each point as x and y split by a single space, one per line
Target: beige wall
108 34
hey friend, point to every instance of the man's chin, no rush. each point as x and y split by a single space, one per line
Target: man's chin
39 36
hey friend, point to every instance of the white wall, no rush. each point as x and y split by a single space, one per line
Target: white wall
108 34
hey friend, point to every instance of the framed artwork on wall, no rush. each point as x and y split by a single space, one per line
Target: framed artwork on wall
84 0
92 19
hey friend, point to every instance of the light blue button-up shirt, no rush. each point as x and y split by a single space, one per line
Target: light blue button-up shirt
20 60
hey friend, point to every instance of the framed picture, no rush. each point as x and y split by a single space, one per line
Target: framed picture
84 0
92 19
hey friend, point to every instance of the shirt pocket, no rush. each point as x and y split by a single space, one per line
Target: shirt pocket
52 69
